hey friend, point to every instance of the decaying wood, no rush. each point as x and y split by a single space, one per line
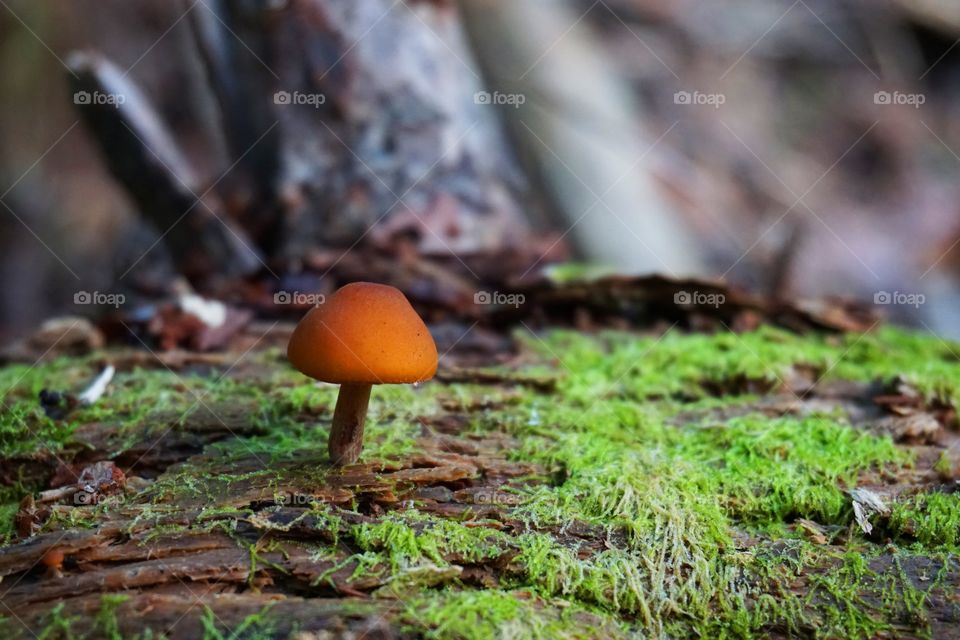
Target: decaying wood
243 542
237 544
688 302
142 154
325 144
184 610
131 551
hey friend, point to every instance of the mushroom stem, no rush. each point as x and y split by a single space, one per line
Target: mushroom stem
346 436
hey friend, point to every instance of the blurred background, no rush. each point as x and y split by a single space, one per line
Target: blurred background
805 149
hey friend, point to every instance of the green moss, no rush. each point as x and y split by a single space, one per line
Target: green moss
944 465
773 470
58 625
21 381
9 505
7 513
683 365
256 626
576 272
637 448
409 538
843 588
296 418
106 620
676 493
479 615
25 429
931 519
138 404
619 581
627 465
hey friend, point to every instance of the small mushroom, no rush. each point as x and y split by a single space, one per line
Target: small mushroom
52 559
364 334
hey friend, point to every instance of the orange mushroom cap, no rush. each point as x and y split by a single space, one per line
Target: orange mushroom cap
364 333
53 558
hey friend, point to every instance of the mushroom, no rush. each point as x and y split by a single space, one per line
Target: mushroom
52 559
364 334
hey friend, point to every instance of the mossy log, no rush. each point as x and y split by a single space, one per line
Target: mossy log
582 485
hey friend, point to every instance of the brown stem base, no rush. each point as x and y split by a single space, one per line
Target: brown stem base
346 434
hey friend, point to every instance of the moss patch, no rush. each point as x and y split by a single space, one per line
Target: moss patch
408 538
639 518
932 519
478 615
681 365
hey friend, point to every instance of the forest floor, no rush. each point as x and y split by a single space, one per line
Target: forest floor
607 484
